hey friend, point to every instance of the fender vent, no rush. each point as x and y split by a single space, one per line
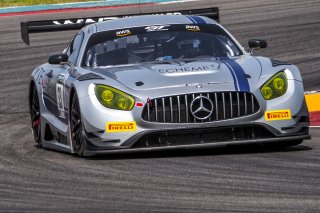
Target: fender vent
89 76
276 63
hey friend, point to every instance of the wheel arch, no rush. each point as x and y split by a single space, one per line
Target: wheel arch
30 93
71 94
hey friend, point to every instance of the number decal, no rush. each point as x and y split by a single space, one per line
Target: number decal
60 95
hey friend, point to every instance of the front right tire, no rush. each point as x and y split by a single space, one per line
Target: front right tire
78 139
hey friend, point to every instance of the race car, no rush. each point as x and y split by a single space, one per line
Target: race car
176 80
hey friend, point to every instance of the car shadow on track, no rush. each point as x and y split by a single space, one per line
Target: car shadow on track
228 150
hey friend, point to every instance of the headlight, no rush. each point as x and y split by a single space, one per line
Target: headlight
275 86
113 98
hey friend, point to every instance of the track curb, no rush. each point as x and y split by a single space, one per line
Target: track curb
313 104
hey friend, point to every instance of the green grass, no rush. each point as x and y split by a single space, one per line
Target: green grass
11 3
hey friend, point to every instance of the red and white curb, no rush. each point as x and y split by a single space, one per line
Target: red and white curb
313 103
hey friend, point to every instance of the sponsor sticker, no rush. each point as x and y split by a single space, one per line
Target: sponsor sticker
193 28
83 21
122 33
156 28
60 95
40 76
188 69
121 126
278 115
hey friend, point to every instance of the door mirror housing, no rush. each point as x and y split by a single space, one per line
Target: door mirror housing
256 44
58 59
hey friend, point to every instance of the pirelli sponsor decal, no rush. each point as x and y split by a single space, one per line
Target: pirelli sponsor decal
121 126
276 115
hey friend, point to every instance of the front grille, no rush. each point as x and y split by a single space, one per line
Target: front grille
200 136
176 109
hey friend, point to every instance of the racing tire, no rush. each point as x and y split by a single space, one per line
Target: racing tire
35 115
78 139
284 144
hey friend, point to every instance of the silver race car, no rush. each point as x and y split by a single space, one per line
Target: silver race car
160 82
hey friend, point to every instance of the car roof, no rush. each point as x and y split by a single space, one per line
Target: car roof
145 20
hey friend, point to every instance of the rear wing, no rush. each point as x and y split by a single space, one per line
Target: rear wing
79 23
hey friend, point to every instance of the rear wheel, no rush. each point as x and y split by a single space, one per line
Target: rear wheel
35 116
77 134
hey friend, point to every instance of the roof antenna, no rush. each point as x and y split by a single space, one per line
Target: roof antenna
140 6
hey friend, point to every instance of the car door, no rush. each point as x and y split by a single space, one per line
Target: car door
59 81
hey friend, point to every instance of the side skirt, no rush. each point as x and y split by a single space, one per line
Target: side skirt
56 146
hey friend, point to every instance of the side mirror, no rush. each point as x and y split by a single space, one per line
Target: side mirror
256 44
58 59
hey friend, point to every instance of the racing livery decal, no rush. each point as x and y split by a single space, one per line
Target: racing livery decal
240 79
193 28
188 69
156 28
278 115
60 95
123 33
40 75
121 126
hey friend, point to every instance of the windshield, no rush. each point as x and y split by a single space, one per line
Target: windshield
158 43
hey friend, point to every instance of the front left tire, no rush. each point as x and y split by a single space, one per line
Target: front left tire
35 115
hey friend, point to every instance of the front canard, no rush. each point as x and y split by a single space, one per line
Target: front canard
121 126
278 115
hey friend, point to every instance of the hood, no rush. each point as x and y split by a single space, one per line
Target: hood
165 74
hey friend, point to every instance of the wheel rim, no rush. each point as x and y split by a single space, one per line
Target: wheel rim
35 115
76 124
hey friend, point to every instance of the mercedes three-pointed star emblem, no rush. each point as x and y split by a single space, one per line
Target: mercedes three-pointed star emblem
201 107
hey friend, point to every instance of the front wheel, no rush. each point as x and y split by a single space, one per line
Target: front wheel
77 134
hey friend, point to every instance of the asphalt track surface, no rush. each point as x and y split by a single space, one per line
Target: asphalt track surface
241 179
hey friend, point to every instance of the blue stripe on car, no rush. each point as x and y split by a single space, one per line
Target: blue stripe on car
238 74
198 20
193 21
236 87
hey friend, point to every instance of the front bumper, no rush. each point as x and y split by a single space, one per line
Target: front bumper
92 152
95 118
200 138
